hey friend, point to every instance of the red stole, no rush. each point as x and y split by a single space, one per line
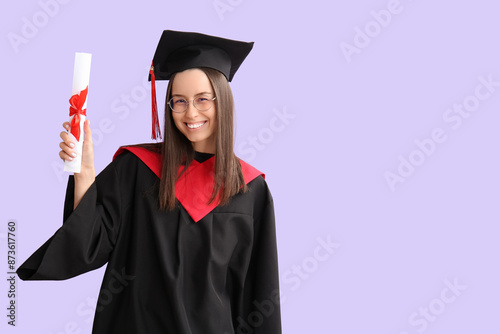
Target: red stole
194 188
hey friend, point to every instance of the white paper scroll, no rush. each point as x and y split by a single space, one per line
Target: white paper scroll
81 77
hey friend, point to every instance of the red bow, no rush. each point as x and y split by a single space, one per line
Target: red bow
77 101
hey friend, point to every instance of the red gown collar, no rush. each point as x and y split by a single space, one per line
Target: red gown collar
194 188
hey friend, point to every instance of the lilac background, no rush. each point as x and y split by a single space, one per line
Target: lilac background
350 119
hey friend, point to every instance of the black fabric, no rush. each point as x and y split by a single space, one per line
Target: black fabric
179 50
165 273
201 156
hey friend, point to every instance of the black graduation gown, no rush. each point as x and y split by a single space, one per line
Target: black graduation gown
167 273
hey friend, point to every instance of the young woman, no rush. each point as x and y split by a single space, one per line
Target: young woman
185 227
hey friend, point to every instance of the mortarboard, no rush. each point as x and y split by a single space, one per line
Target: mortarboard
178 51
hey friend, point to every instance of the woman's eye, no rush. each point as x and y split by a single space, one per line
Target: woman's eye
201 99
180 101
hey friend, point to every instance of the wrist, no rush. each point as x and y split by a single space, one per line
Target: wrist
85 174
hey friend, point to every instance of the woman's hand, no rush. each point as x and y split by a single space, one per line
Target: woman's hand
86 177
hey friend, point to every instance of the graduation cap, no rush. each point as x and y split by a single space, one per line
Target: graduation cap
178 51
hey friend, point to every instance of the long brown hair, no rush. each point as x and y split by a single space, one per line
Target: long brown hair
178 151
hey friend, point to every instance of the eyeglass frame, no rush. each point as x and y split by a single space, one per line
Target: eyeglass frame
194 104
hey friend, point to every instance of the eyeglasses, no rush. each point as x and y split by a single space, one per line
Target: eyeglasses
180 105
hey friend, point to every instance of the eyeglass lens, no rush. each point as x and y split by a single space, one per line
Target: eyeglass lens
179 104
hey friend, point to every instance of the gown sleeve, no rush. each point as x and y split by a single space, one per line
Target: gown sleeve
87 236
261 309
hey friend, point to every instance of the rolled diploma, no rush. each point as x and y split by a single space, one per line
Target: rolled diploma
81 78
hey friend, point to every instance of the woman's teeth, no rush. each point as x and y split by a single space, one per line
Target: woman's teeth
195 125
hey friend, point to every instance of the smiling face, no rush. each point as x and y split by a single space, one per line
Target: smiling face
199 127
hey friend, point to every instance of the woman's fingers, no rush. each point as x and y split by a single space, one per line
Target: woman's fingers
68 148
88 147
67 152
67 145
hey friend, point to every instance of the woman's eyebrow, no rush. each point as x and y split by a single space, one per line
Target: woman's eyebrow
205 93
202 93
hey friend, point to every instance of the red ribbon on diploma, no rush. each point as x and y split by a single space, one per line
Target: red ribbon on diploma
77 101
